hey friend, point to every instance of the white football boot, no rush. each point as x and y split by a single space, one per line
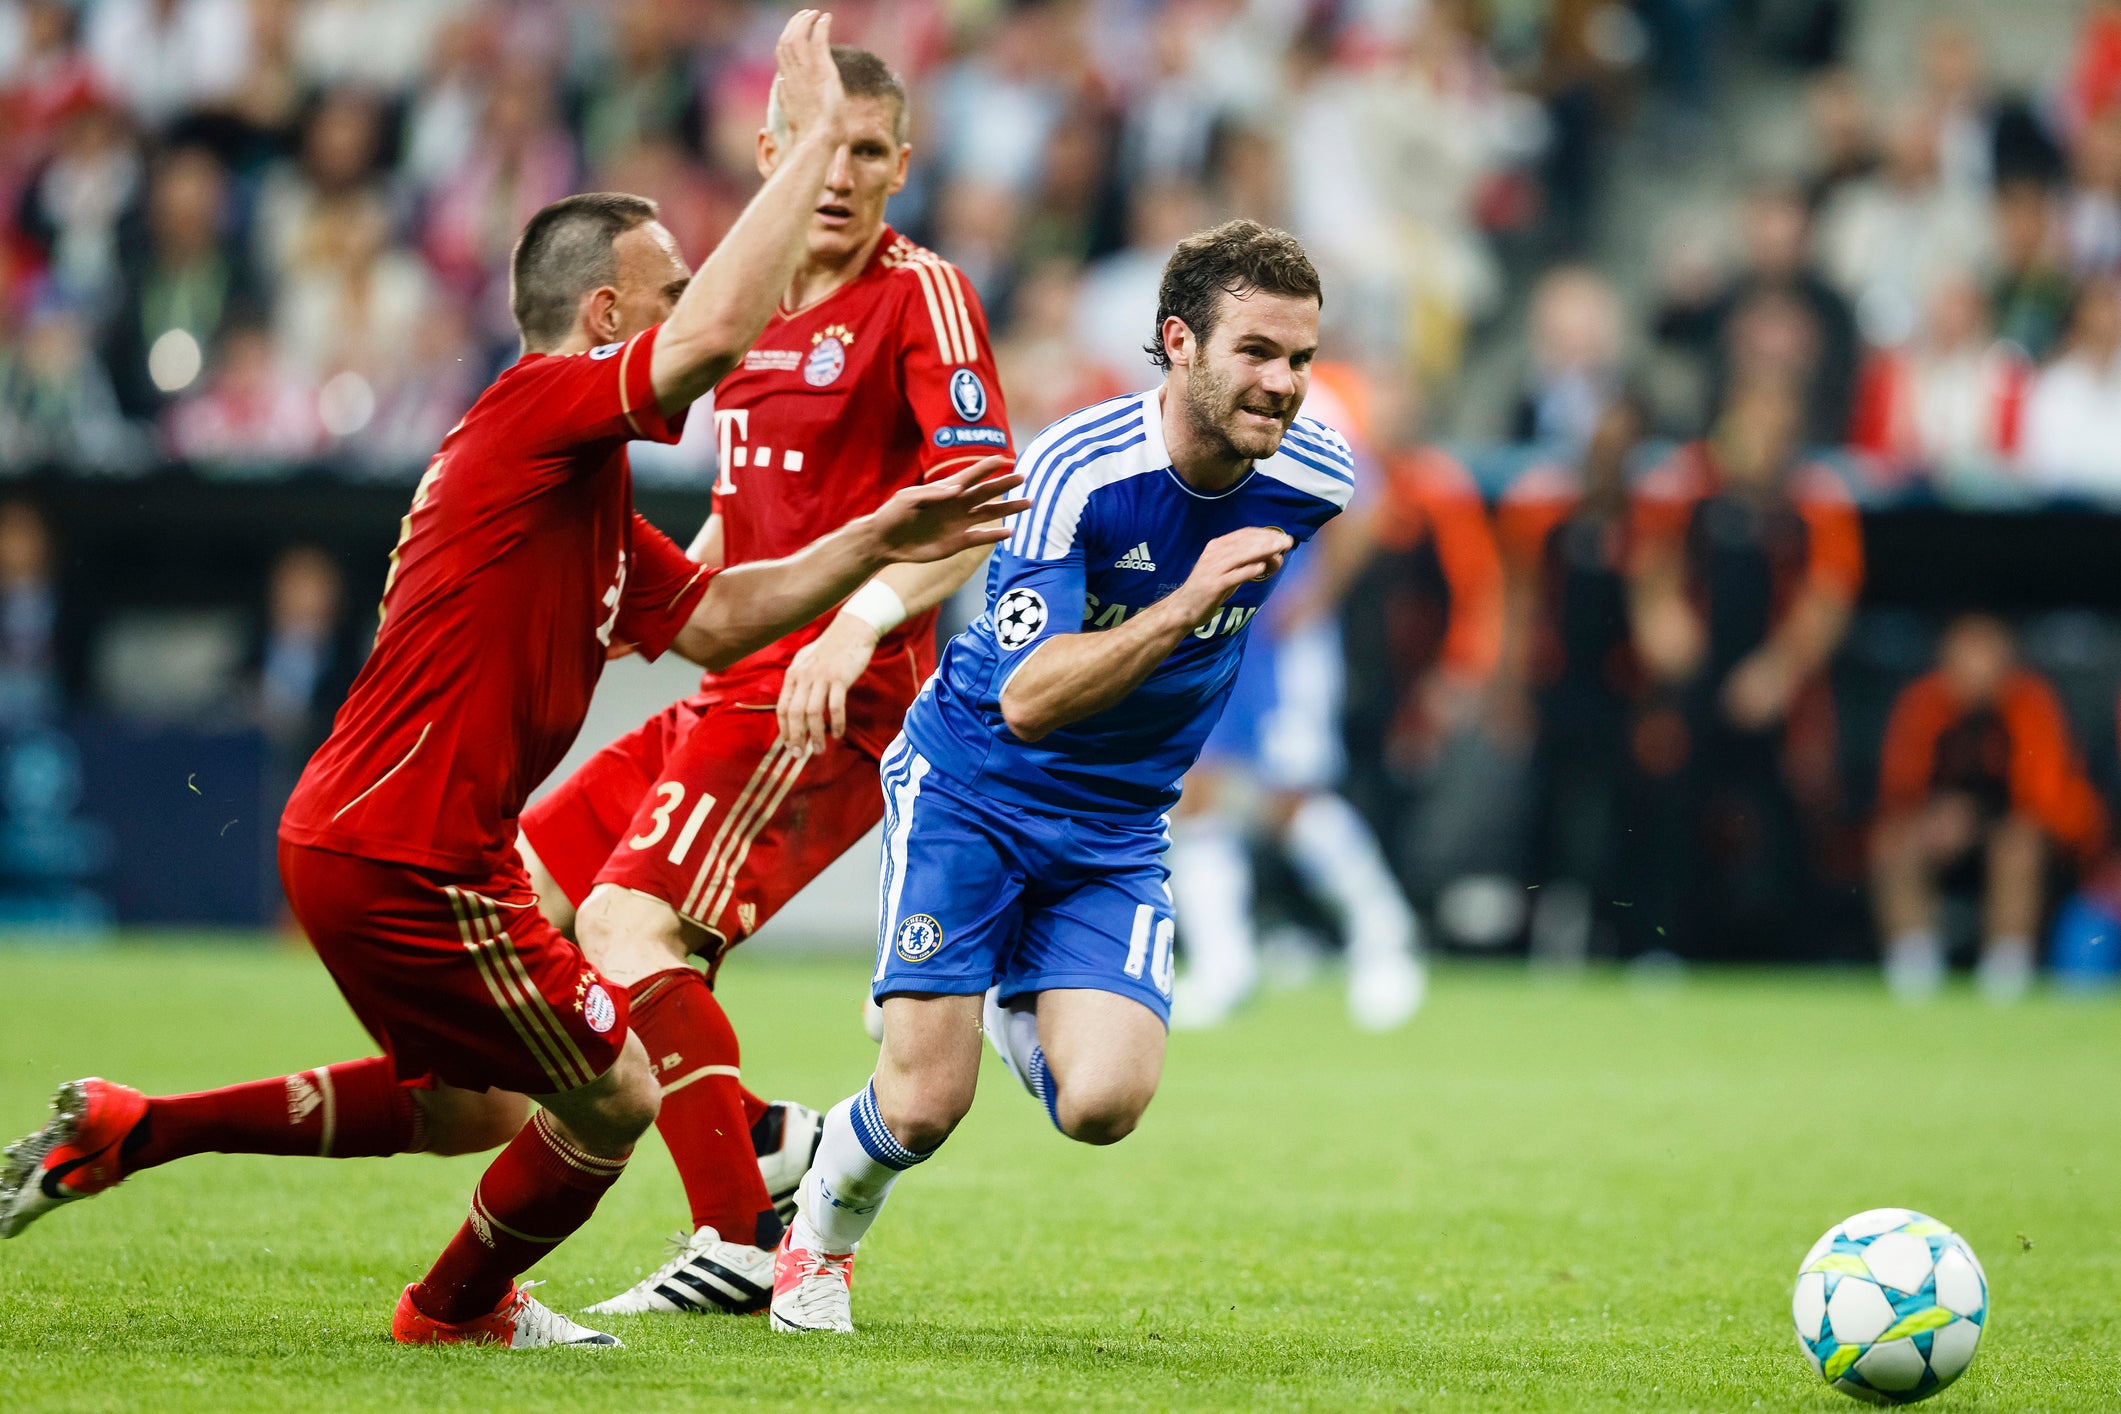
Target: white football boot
785 1140
704 1276
1385 990
812 1291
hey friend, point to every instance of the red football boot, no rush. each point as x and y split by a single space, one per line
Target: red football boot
75 1156
518 1323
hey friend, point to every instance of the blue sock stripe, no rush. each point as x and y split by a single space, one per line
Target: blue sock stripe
875 1135
1042 1085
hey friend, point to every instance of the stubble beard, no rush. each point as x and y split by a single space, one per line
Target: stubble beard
1212 409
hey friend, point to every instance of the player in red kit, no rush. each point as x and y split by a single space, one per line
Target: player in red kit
521 561
684 837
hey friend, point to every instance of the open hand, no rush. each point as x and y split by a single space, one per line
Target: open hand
812 98
957 512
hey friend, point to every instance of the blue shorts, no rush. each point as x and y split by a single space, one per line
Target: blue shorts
1282 723
974 894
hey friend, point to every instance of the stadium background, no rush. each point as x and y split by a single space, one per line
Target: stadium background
251 270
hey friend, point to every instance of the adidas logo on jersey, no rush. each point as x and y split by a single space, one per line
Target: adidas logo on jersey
1136 559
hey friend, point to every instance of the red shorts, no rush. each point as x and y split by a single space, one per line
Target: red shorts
461 981
719 820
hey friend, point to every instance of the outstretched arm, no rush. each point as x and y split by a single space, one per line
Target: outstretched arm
748 607
733 294
1077 675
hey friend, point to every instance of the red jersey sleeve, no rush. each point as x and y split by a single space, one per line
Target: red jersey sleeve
599 395
660 591
946 367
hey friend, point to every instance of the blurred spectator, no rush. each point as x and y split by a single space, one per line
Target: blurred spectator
1950 402
57 407
996 106
1067 212
380 44
523 161
268 102
252 413
181 284
1393 160
77 203
166 58
1843 142
442 122
44 77
437 377
1115 314
1955 89
2092 209
1578 339
1563 531
350 300
1884 239
1775 317
341 144
2030 296
1980 788
1745 564
2073 414
1424 622
645 93
30 685
306 658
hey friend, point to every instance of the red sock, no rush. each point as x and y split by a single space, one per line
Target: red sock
353 1110
538 1190
704 1119
754 1107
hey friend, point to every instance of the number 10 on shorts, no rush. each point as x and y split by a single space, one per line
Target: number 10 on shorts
673 794
1139 949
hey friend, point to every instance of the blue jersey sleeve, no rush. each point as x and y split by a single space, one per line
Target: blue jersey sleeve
1028 602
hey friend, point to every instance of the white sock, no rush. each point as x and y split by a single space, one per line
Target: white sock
857 1162
1337 854
1914 964
1211 884
2006 971
1015 1035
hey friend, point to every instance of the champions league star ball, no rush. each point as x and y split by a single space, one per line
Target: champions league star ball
1890 1306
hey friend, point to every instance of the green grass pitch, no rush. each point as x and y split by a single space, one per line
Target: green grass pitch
1536 1197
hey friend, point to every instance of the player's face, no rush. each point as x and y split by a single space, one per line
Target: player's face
651 277
865 174
1246 382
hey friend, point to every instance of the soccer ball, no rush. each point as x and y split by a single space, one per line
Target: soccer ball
1890 1306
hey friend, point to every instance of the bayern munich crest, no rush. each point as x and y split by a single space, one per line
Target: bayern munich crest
918 938
597 1009
826 362
968 395
1018 618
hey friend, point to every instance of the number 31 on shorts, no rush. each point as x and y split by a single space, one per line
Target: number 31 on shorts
673 795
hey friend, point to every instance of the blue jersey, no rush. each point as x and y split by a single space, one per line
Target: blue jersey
1111 530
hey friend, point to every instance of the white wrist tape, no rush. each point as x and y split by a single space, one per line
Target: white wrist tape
877 604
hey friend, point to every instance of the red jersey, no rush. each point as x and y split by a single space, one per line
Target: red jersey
521 559
883 383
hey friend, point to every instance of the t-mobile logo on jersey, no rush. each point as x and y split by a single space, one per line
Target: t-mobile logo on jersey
733 449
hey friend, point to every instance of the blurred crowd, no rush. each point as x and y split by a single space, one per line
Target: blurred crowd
249 233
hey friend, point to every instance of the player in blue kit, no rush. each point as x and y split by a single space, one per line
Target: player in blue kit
1023 878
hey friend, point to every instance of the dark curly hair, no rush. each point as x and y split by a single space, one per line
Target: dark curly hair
1236 258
